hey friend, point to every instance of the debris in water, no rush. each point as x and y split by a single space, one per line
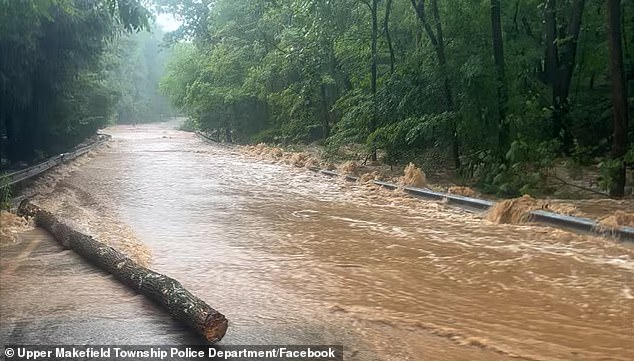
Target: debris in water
276 152
91 214
618 219
477 342
369 177
562 208
11 226
311 163
413 176
255 149
517 210
349 167
462 191
298 160
514 210
329 166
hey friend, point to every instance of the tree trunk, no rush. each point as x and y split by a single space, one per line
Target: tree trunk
498 54
559 65
619 97
373 69
442 56
163 290
228 137
563 76
438 42
550 57
388 37
325 112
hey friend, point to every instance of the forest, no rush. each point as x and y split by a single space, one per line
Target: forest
70 67
498 92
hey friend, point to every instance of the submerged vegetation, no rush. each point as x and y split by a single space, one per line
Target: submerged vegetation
500 91
68 67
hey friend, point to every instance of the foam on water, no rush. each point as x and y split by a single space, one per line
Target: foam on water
10 227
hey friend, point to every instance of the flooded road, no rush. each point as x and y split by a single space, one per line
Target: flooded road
292 257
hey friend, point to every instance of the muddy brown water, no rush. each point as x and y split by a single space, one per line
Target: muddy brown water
292 257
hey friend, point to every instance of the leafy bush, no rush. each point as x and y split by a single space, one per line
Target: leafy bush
189 125
523 171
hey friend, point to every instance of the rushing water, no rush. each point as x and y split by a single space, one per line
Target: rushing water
283 250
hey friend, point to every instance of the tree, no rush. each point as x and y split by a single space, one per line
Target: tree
388 37
438 42
52 93
493 92
136 62
559 63
619 97
373 68
502 95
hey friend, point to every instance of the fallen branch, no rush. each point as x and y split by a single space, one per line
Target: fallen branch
165 291
579 187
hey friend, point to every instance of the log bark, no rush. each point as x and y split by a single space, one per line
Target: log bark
164 290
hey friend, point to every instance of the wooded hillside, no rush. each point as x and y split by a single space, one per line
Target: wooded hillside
68 67
498 89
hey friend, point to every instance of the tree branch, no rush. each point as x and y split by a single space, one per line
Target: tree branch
419 7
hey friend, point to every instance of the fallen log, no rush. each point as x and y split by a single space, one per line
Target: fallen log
165 291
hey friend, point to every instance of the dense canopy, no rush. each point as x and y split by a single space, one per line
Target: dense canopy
499 93
497 90
68 67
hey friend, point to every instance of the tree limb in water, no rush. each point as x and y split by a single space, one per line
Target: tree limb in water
579 186
164 290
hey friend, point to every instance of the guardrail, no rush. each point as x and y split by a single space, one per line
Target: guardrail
24 174
578 224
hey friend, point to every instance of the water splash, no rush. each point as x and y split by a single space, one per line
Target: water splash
618 219
413 176
462 191
10 228
63 192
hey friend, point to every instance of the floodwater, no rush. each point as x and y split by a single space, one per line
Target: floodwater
290 256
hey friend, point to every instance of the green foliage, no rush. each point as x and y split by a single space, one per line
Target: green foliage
135 64
189 125
270 136
609 169
357 110
291 71
401 140
52 74
523 170
130 15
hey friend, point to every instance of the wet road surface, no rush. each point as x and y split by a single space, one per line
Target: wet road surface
292 257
